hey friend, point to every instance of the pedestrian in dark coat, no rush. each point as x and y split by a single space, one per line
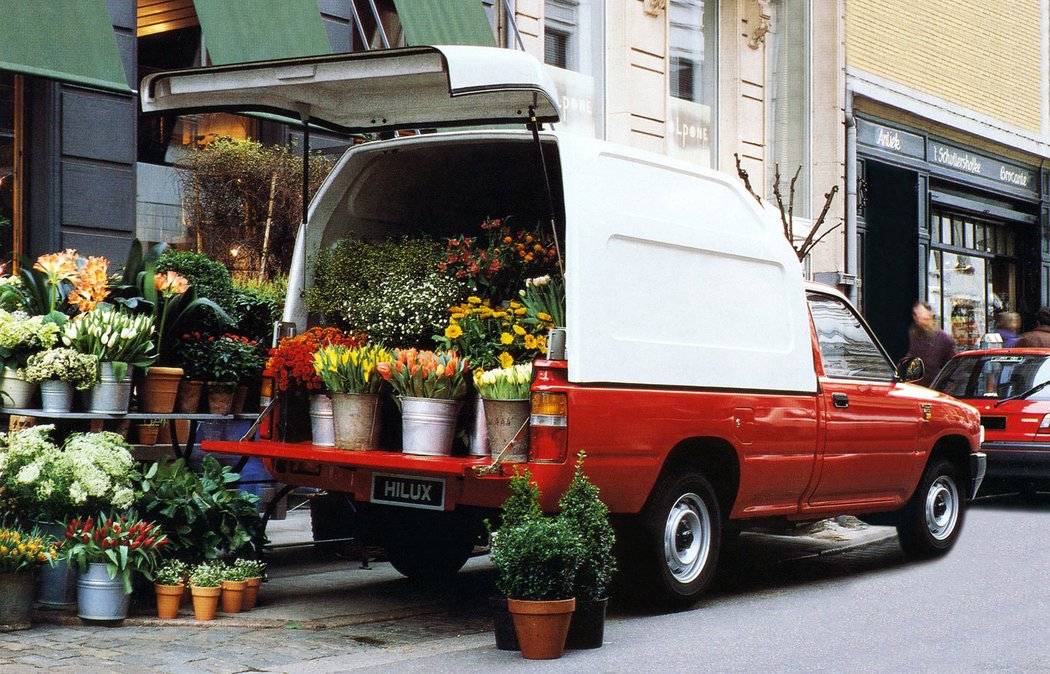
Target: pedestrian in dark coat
928 342
1040 337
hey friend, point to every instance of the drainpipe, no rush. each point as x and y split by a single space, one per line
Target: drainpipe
850 248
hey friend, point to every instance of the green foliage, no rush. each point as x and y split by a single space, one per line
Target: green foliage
63 364
538 559
255 306
202 514
234 572
172 572
523 504
209 278
581 508
207 574
391 290
253 568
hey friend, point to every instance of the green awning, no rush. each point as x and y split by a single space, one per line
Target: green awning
68 40
260 30
426 22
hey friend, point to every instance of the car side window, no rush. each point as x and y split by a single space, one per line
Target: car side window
847 349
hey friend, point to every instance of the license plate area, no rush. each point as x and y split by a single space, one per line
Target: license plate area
407 491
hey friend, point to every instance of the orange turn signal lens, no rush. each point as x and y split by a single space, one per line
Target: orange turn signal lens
549 404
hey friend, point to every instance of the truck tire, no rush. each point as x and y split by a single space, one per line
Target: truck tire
430 545
931 522
682 530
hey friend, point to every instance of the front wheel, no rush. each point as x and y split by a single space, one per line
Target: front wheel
683 536
931 522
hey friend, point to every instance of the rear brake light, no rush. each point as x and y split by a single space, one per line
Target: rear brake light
1044 425
549 432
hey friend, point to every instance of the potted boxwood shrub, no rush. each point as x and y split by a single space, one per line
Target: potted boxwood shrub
206 586
537 560
581 507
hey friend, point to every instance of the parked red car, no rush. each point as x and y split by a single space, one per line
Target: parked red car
1011 390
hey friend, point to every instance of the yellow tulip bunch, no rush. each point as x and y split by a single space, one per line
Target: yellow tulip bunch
350 370
22 551
505 383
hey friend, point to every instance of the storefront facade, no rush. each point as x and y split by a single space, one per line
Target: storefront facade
939 220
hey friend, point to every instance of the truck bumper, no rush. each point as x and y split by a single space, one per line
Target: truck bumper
978 468
1018 460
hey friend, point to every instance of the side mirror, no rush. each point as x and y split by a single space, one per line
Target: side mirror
911 369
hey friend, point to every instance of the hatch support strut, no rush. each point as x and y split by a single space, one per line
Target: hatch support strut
534 125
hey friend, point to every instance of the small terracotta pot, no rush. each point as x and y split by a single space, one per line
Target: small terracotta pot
240 394
251 593
189 400
147 433
541 626
233 595
220 397
168 599
205 601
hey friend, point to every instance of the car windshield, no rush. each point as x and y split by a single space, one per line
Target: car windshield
993 377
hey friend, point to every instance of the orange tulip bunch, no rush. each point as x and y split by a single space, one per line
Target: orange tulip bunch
427 374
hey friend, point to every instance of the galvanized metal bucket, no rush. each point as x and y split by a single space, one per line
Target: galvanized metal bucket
428 425
14 390
16 588
56 396
100 597
356 420
322 426
111 395
479 436
507 421
56 586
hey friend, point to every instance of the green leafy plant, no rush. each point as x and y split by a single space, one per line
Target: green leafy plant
227 358
63 364
209 278
202 513
537 560
22 335
207 574
124 543
544 300
581 508
523 504
172 572
234 572
255 305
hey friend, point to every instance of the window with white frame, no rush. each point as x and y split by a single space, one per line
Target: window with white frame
789 43
572 47
692 66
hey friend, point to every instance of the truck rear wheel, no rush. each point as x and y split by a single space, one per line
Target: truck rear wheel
931 522
683 537
429 545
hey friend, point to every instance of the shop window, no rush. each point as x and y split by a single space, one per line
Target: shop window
10 168
692 58
572 48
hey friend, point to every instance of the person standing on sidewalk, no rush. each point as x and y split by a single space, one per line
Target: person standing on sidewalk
1040 337
928 342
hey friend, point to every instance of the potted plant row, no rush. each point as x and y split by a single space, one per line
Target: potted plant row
234 587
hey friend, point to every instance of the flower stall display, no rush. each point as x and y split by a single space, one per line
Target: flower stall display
493 337
21 554
430 385
226 360
59 371
108 550
21 335
505 392
120 341
169 584
351 376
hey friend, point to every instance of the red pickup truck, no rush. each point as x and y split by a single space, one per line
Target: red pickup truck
708 384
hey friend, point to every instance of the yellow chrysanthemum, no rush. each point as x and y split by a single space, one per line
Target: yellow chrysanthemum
453 331
530 342
519 330
474 299
506 338
505 359
543 316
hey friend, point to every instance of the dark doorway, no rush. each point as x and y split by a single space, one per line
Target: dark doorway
890 255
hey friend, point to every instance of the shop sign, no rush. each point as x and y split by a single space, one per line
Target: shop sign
979 165
891 140
575 100
689 131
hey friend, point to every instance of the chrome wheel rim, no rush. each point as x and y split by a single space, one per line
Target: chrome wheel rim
942 508
687 538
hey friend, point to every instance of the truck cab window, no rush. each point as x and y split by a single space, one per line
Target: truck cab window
847 349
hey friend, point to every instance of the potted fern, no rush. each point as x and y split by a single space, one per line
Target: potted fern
581 507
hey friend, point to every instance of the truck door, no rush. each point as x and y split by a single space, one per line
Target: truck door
870 423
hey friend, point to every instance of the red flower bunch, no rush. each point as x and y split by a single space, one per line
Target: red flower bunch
292 362
123 543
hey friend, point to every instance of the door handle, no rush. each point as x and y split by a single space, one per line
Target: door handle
840 399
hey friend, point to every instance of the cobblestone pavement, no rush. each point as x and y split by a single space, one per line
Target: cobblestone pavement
392 627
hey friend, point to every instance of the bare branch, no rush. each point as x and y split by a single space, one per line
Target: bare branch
803 251
742 174
780 204
791 206
828 198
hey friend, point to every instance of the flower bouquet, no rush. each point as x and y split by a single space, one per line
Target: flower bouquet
21 554
544 299
124 544
507 383
350 374
493 337
430 385
113 337
292 363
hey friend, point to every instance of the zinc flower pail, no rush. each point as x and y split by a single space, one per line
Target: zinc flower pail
479 437
56 586
100 597
322 425
428 425
56 396
111 395
508 420
14 390
16 589
357 420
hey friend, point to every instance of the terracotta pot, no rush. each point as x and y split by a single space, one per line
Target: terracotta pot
147 433
220 397
240 394
205 601
189 399
251 593
168 599
233 595
541 626
159 388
